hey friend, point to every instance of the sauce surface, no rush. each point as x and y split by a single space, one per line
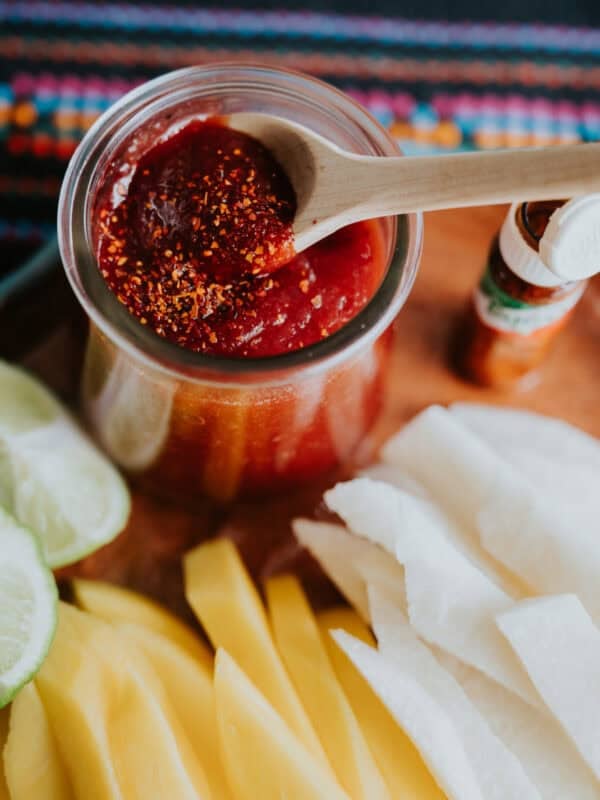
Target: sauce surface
200 248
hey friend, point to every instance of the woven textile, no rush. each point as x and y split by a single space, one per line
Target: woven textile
435 84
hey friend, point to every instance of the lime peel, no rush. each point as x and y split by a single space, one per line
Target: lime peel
28 604
52 478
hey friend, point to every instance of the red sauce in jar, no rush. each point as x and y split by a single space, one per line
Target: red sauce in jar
199 247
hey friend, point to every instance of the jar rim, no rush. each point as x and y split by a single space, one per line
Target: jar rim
143 344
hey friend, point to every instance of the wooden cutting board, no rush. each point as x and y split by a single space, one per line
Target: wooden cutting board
147 555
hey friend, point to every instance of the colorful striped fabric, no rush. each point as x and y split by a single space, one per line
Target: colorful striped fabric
435 84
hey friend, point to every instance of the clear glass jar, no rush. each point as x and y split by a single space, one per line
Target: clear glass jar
189 425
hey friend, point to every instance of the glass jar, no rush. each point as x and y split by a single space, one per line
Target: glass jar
190 425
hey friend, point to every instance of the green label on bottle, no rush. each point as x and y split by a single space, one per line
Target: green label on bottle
503 313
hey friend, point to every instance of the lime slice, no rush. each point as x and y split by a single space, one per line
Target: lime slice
28 607
52 478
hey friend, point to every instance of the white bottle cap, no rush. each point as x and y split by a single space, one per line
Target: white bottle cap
522 259
570 246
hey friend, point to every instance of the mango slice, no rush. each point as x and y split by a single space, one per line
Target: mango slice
153 757
114 603
32 763
188 686
264 759
4 718
225 600
116 733
302 650
403 769
76 690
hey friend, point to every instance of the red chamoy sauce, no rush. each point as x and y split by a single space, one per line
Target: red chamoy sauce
200 248
194 237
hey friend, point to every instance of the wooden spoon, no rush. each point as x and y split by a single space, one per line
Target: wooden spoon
335 188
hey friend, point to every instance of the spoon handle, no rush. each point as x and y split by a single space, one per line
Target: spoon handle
424 183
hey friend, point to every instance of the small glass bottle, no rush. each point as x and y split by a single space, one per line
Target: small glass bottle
536 274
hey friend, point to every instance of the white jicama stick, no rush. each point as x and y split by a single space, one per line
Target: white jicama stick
559 646
419 716
386 473
572 484
453 606
334 548
362 561
459 470
547 548
546 753
409 527
500 775
462 594
387 577
519 526
507 428
557 458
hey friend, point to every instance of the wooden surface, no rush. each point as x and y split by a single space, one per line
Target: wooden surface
147 554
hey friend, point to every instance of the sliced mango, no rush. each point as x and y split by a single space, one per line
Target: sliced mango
32 764
188 686
76 690
403 769
4 718
225 600
303 652
114 603
264 758
116 732
153 757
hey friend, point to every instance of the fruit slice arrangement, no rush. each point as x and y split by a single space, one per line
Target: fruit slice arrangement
467 669
130 703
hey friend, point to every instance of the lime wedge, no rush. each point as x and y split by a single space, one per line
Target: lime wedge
52 478
28 607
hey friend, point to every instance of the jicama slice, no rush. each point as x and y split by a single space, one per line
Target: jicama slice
573 486
461 592
386 516
263 758
506 428
555 457
540 744
32 764
301 648
388 576
400 762
419 715
225 600
386 473
520 527
326 541
559 646
547 548
460 471
410 527
499 773
453 605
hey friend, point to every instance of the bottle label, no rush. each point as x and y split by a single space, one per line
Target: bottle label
503 313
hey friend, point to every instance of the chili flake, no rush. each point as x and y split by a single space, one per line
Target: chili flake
192 247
